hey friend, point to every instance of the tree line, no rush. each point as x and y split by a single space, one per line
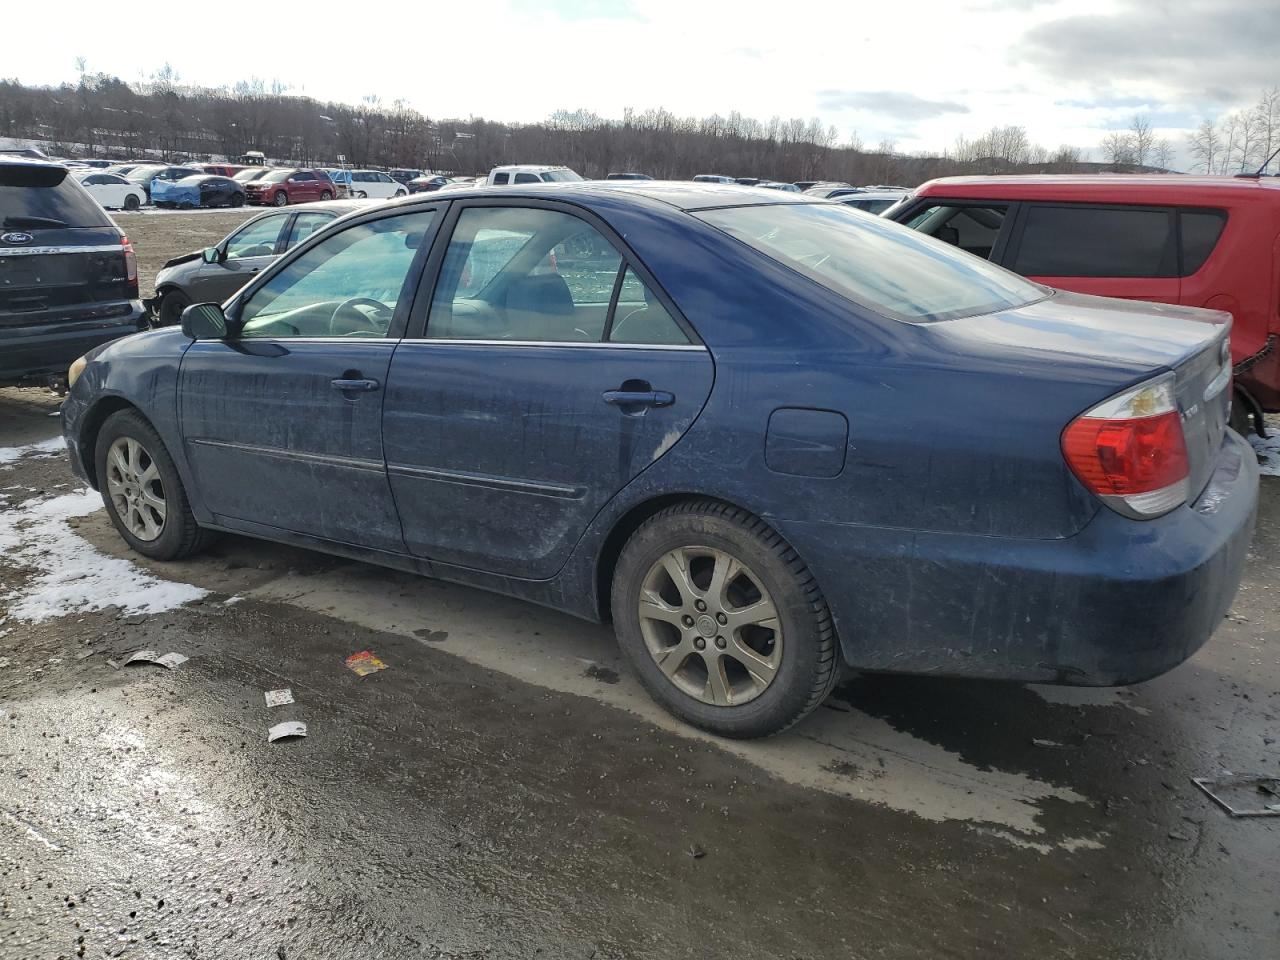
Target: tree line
1240 142
162 118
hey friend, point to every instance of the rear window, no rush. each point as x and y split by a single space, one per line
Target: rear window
1080 241
35 198
1200 231
880 265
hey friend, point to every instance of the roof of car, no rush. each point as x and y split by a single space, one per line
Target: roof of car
1159 188
680 194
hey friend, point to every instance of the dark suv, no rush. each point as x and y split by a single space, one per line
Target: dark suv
68 275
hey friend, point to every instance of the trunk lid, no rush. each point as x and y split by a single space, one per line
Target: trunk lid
1134 339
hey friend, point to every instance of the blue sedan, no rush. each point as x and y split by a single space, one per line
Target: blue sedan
767 436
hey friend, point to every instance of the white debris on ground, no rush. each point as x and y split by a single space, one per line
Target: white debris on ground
70 576
46 448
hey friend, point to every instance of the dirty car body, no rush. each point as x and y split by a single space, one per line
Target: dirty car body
795 383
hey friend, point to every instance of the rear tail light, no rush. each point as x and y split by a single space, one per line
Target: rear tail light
1130 450
130 263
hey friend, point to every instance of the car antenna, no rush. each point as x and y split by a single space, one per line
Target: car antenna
1265 163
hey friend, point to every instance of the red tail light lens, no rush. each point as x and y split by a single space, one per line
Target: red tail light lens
130 261
1131 451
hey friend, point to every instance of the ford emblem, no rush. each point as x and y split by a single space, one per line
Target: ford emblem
17 238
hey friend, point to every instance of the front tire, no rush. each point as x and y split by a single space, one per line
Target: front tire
142 492
171 306
361 195
237 200
281 198
722 621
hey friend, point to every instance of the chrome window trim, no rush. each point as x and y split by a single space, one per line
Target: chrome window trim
45 251
687 347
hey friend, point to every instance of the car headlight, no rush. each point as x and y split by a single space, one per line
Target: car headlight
74 371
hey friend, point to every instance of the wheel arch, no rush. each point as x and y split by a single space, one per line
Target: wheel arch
91 427
627 524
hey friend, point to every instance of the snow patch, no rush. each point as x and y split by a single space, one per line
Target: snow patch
50 447
71 576
1268 450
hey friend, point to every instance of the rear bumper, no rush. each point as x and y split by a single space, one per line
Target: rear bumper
1120 602
37 352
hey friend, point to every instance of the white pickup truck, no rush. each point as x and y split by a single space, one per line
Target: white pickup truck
529 173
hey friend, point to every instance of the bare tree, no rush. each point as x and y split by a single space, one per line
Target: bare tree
1206 145
1141 140
1162 154
1118 149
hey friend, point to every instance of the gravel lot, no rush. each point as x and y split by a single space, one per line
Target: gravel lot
160 236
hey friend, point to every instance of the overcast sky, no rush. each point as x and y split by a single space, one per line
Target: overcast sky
917 73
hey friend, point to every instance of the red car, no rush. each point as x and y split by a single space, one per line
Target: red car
222 169
279 188
1197 241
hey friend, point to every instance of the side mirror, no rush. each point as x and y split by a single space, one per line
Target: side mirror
204 321
211 254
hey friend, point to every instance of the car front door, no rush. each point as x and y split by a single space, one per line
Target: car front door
543 374
241 256
282 420
303 187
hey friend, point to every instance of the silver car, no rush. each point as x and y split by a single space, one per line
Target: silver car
212 275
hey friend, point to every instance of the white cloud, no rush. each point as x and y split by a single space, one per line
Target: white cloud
510 60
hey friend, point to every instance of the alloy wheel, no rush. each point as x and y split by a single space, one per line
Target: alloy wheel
710 625
135 489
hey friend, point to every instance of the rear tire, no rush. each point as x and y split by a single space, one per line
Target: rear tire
361 195
140 474
171 306
747 658
131 202
326 195
237 200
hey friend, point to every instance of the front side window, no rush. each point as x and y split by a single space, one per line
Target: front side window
1079 241
880 265
973 228
346 286
256 239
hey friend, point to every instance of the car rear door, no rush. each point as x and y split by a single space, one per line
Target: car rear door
543 373
1110 250
282 420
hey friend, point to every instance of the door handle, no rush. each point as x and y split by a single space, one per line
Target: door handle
354 386
638 398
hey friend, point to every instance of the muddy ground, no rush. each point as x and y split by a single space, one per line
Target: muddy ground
504 789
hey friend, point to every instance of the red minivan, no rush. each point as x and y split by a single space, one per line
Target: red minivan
1197 241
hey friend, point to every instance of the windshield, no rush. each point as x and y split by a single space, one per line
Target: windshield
244 176
560 176
276 176
143 173
889 268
